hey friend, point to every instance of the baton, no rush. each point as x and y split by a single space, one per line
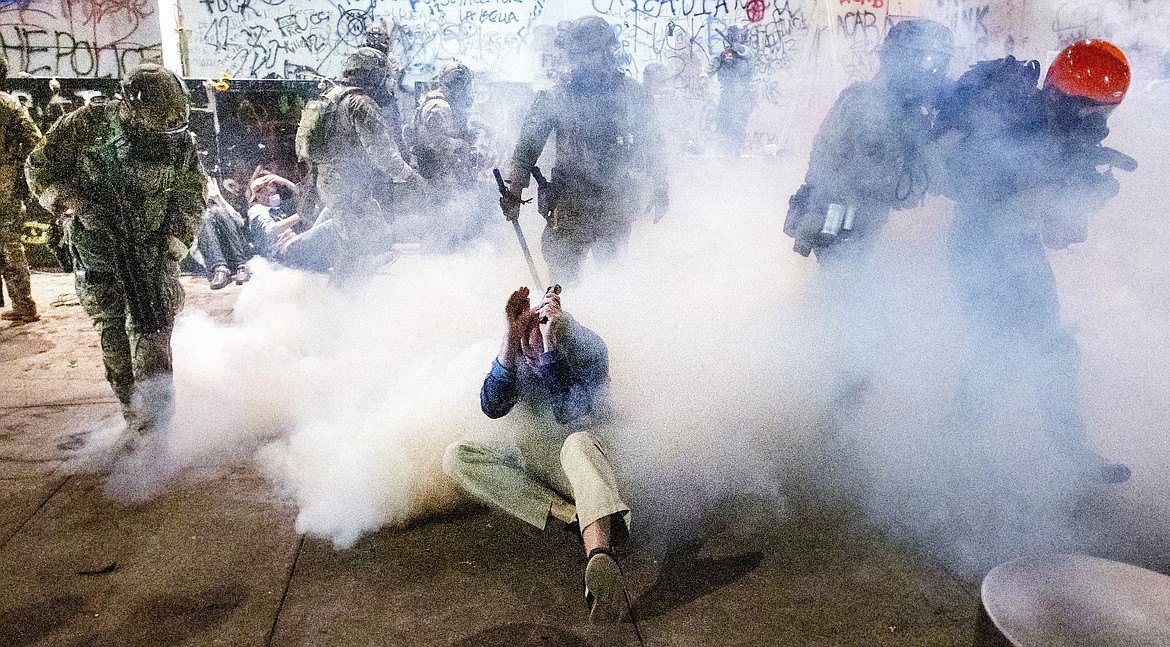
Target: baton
519 232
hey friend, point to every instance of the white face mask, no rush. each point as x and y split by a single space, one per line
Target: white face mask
274 200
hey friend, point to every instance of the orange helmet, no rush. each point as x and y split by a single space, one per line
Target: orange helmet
1093 69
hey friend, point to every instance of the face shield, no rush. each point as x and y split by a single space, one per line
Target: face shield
156 100
918 74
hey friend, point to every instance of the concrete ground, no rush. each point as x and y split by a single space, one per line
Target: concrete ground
215 557
216 560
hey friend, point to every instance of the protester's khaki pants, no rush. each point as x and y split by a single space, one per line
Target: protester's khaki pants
525 482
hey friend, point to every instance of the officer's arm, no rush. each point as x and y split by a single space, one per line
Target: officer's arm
833 160
27 133
52 164
188 198
538 124
376 139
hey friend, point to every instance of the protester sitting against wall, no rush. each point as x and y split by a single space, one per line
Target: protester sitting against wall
222 240
271 212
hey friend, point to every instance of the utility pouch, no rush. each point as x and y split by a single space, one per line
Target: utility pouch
797 206
547 196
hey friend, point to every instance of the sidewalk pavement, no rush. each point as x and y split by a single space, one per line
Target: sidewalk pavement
215 558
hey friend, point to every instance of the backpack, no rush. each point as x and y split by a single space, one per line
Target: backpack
1000 95
319 122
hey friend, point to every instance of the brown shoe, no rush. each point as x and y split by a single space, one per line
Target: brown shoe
18 316
605 589
221 278
243 274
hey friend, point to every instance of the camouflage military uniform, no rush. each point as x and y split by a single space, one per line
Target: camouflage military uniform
351 185
18 136
443 141
362 140
131 193
605 131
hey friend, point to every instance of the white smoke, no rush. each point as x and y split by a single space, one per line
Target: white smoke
725 363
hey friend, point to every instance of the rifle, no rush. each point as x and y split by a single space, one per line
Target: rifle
144 303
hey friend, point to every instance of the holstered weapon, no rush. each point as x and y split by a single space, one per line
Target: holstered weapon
547 195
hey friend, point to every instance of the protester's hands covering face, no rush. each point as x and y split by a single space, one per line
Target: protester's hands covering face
518 305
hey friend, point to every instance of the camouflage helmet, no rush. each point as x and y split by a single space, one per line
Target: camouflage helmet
454 76
378 38
366 66
586 35
156 99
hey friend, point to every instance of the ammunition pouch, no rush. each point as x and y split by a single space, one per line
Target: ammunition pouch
816 223
803 223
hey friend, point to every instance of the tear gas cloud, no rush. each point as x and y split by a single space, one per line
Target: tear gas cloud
726 366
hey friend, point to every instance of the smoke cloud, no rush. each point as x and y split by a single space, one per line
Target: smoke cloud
727 365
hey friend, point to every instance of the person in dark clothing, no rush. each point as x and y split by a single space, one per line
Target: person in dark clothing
606 131
870 157
1022 166
733 69
555 468
222 242
871 153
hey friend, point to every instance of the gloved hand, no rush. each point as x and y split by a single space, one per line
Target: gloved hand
409 177
510 205
176 250
659 201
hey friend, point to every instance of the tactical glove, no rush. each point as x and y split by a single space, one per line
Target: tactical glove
510 205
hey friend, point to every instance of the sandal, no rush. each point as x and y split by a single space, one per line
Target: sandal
605 590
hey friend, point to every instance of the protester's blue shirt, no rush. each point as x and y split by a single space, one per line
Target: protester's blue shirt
570 381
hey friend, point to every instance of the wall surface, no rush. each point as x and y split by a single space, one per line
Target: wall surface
78 38
804 51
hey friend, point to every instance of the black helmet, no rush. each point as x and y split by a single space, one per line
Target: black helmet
586 35
156 99
919 43
378 38
454 77
365 67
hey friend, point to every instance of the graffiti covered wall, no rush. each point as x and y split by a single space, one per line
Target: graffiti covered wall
78 38
260 38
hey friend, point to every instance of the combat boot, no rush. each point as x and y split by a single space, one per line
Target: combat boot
21 316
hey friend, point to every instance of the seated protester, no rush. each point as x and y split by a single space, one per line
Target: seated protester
559 470
222 240
271 207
